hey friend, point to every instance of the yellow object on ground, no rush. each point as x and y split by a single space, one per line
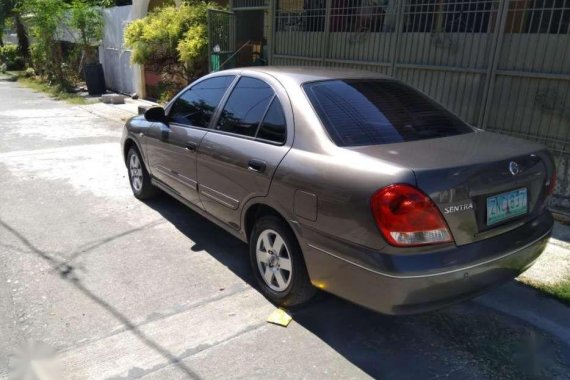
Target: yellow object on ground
279 317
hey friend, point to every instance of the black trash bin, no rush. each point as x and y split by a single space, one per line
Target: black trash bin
95 78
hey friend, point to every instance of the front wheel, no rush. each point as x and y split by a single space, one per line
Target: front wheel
139 177
278 264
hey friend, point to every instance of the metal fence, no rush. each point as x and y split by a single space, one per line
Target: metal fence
501 65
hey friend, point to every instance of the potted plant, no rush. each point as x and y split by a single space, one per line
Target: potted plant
88 23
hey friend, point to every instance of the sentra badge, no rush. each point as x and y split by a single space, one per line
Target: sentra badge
458 208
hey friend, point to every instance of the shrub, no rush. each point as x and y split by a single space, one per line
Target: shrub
172 41
29 73
9 55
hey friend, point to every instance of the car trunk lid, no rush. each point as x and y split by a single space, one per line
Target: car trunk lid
464 174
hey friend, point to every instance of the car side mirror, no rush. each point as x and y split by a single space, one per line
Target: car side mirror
155 114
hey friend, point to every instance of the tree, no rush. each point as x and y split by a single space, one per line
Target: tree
88 22
46 17
172 41
11 9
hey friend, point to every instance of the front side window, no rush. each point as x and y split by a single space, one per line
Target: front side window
245 107
372 112
197 105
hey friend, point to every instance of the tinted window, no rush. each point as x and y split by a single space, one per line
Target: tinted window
196 106
364 112
274 127
245 107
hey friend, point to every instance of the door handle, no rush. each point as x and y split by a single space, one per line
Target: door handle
190 146
257 166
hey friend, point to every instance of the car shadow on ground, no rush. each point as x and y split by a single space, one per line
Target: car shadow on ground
468 341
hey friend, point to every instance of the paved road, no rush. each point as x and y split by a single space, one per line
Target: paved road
122 289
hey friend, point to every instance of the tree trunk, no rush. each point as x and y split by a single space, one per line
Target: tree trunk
23 40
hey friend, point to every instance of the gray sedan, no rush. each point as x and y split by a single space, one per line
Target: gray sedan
347 181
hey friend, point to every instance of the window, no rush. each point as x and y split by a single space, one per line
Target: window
300 15
364 112
196 106
362 15
245 107
274 126
449 16
539 16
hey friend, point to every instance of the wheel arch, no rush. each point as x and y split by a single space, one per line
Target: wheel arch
129 143
133 143
258 209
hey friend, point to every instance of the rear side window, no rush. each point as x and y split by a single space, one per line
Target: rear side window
365 112
197 105
274 126
245 107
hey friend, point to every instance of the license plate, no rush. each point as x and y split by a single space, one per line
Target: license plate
506 206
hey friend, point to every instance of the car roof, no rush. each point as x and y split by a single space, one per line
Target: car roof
303 74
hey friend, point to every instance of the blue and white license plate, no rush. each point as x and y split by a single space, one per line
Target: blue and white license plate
507 205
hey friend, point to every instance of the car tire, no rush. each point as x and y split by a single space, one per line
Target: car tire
139 178
277 263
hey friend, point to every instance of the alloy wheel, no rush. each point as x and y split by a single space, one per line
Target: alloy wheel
136 173
273 260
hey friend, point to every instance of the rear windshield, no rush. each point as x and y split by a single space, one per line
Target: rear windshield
372 112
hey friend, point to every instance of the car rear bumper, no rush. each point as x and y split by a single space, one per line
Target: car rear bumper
407 291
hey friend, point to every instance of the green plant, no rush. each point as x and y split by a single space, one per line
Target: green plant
11 10
10 55
172 41
89 23
29 73
46 18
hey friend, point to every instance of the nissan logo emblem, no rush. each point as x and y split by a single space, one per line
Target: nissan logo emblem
514 168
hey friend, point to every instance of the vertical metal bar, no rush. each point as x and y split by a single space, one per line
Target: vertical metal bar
494 61
396 47
327 31
209 41
273 20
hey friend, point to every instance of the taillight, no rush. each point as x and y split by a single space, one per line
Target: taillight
408 217
551 184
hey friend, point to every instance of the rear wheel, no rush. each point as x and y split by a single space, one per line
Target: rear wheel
278 264
139 177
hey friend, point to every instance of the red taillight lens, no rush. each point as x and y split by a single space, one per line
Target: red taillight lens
408 217
551 184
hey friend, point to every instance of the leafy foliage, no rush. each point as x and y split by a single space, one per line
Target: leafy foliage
46 18
88 22
49 20
10 55
172 41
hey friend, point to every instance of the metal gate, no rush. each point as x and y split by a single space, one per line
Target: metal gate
503 65
116 60
221 39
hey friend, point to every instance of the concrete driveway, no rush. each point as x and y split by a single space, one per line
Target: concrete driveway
108 287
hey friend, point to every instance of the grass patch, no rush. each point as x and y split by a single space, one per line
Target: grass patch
55 92
560 290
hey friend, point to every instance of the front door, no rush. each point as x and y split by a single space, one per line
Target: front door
172 147
238 157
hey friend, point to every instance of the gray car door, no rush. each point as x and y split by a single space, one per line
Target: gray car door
172 146
238 157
